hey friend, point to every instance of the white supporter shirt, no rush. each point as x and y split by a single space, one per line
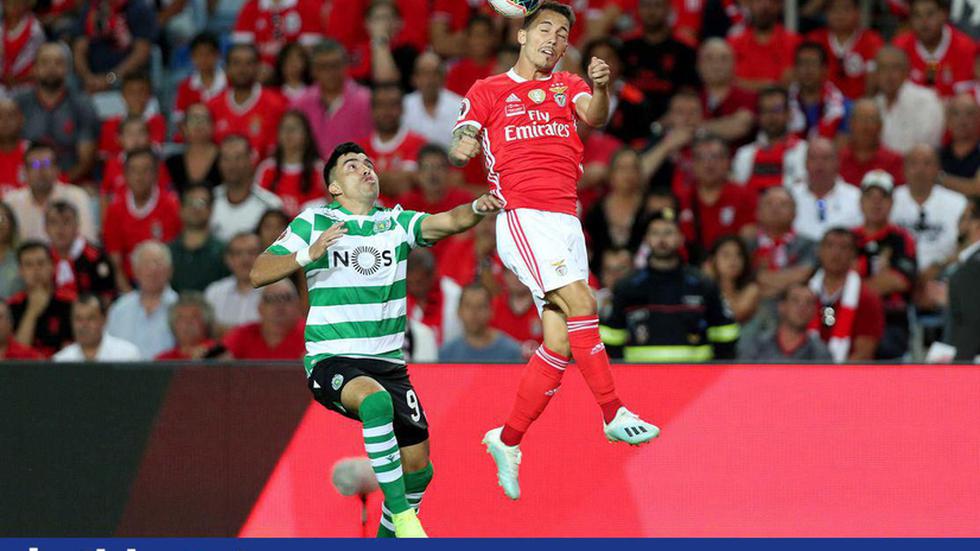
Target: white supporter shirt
794 162
915 118
232 307
934 223
841 207
111 349
228 219
436 128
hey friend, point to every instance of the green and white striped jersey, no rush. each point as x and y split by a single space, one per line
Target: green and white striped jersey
357 289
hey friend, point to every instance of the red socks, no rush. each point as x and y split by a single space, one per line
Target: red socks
540 381
590 355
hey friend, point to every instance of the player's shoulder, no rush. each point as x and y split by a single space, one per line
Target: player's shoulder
490 85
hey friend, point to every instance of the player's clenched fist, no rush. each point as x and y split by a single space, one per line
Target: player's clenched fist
326 239
465 145
599 72
486 203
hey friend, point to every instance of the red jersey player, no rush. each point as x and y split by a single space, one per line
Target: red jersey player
527 121
939 55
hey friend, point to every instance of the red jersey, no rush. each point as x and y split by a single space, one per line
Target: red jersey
869 317
126 226
17 351
287 183
755 60
114 176
533 152
465 72
12 172
738 98
852 170
398 153
191 90
850 62
950 65
457 12
415 200
461 263
109 136
18 47
270 24
246 342
521 326
176 353
703 224
257 118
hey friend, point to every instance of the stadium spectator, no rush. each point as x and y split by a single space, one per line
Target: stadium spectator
479 58
197 163
729 266
113 39
779 256
80 267
134 135
963 315
675 313
791 340
10 349
42 315
238 202
292 72
776 157
764 49
616 264
716 206
141 316
390 145
137 95
384 56
271 226
961 156
192 322
432 109
447 25
21 34
339 109
940 55
426 302
246 107
271 24
142 213
599 150
630 116
480 342
513 312
863 151
206 81
42 189
12 147
197 255
295 172
233 298
817 106
823 199
849 317
667 164
92 343
10 281
278 335
887 261
58 116
656 62
911 114
729 108
614 222
434 192
850 48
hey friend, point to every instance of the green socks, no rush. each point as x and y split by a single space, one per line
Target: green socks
377 413
415 485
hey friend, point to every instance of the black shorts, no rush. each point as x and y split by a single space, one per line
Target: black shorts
329 377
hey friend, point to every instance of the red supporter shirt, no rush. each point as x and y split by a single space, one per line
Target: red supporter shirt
849 62
459 262
175 353
270 24
457 12
521 326
17 351
869 317
13 174
704 224
738 98
533 152
257 118
125 227
465 72
289 186
245 342
345 22
109 135
191 90
852 170
114 176
944 69
399 153
415 200
755 60
18 47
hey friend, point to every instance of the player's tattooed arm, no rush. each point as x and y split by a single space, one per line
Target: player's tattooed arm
465 145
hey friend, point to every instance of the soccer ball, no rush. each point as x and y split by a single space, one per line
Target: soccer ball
515 8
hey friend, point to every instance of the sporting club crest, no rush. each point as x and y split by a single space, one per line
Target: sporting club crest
337 380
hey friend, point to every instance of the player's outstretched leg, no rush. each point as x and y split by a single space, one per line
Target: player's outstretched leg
377 413
415 485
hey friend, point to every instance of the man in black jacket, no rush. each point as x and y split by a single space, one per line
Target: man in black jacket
963 315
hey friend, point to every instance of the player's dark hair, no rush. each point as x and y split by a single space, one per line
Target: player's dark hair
555 7
31 245
842 232
87 299
140 152
811 46
338 152
310 155
432 149
205 39
242 46
34 148
773 91
61 207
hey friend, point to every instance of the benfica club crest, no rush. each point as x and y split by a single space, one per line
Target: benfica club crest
559 92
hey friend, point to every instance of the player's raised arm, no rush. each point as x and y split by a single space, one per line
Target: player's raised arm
459 219
290 253
594 109
465 145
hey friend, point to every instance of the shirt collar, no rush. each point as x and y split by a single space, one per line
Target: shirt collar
337 206
518 78
969 251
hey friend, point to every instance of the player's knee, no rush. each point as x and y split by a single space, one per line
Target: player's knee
559 344
416 463
377 405
581 301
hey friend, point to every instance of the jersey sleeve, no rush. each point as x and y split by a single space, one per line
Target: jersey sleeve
411 222
296 236
577 88
475 108
244 29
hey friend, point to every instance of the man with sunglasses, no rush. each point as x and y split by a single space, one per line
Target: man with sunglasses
823 199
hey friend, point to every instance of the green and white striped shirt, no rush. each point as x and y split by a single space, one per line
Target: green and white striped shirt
357 289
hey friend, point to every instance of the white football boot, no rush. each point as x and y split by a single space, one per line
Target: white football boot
628 427
508 460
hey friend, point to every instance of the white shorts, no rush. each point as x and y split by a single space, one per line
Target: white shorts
546 250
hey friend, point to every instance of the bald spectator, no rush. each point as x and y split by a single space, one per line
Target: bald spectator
233 298
141 316
780 256
431 110
56 115
863 151
92 343
777 156
43 188
961 156
42 315
764 48
192 323
278 335
823 199
912 114
729 109
10 349
12 147
791 341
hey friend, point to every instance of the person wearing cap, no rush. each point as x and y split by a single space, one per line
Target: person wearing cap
668 311
824 200
886 261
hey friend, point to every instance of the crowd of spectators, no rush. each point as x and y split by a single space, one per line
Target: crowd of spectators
757 193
